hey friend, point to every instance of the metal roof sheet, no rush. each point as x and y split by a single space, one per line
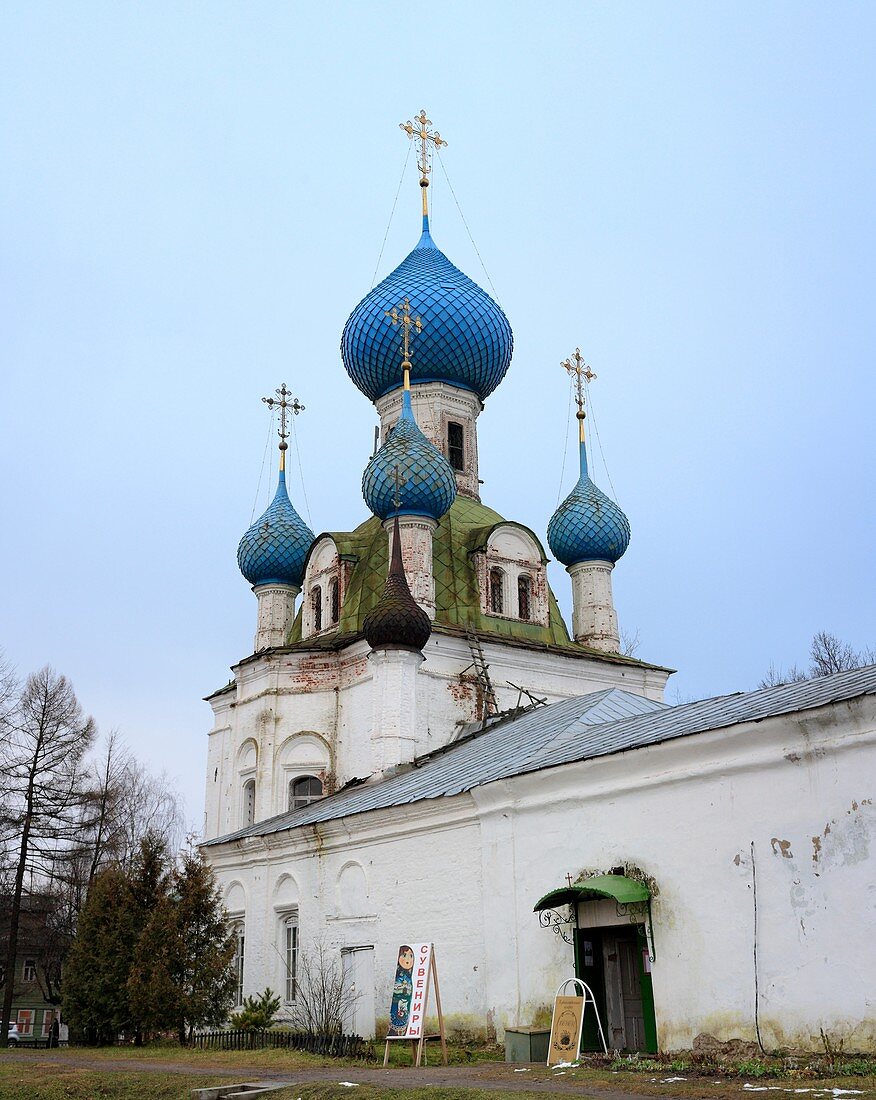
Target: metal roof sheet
575 729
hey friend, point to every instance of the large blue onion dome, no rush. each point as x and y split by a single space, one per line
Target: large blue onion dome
588 525
397 621
466 339
273 550
427 484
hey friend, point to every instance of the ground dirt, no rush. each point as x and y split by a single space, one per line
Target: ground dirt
114 1074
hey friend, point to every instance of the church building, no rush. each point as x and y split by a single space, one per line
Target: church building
419 749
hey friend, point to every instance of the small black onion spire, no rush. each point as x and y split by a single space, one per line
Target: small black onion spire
397 621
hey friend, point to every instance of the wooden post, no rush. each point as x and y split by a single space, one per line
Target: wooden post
434 969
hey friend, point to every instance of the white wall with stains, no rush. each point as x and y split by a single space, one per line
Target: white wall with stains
779 812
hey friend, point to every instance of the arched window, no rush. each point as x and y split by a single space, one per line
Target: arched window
456 446
249 802
316 606
524 596
334 600
239 944
304 790
497 594
290 956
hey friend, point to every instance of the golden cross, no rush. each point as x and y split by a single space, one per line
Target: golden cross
282 404
582 372
407 322
418 130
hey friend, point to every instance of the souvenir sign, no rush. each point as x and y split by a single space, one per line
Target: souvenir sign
415 972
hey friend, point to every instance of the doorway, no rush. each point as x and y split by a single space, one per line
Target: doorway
614 963
358 970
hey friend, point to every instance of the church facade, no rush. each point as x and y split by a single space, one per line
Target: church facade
418 749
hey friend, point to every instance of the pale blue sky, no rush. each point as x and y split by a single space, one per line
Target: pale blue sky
193 199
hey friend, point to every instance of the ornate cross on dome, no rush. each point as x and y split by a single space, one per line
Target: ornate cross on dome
401 315
280 402
418 130
582 373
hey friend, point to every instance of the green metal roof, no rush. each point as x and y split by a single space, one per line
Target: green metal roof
464 529
622 889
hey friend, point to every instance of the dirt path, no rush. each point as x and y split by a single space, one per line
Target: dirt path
493 1076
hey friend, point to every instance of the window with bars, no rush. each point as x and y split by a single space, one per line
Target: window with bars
316 607
524 597
239 946
304 790
456 446
497 591
334 600
249 802
290 956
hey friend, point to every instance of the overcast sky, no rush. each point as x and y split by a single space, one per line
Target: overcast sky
194 197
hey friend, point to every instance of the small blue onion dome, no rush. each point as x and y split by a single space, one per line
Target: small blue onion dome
427 484
273 550
588 525
466 339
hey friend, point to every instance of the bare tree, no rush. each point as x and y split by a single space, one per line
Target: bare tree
827 654
44 740
324 998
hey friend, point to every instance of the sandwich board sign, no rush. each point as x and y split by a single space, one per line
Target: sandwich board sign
415 973
567 1023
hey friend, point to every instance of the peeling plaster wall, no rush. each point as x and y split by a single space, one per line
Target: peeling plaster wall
330 693
466 871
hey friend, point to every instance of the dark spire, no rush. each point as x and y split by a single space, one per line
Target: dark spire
397 621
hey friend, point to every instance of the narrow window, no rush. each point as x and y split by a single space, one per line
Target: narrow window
316 607
334 599
290 956
524 596
239 944
25 1021
455 446
28 972
249 802
497 602
304 790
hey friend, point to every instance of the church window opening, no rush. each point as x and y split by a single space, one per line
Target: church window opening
304 790
334 600
456 446
290 956
249 802
237 964
524 594
316 606
497 594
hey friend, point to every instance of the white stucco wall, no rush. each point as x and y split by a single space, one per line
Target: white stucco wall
466 871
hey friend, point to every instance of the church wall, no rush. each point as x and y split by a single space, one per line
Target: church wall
466 872
686 813
329 695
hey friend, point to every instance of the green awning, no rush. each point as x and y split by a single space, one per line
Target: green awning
622 889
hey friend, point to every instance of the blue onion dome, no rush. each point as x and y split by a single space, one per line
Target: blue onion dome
397 620
588 525
273 550
466 339
427 484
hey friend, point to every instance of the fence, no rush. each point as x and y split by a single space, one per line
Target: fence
335 1046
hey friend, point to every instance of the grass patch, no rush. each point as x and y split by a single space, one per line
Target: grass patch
50 1081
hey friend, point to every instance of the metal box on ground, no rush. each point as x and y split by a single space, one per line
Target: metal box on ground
526 1044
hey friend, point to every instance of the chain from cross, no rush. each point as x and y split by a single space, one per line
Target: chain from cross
401 315
283 404
418 130
396 497
582 373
